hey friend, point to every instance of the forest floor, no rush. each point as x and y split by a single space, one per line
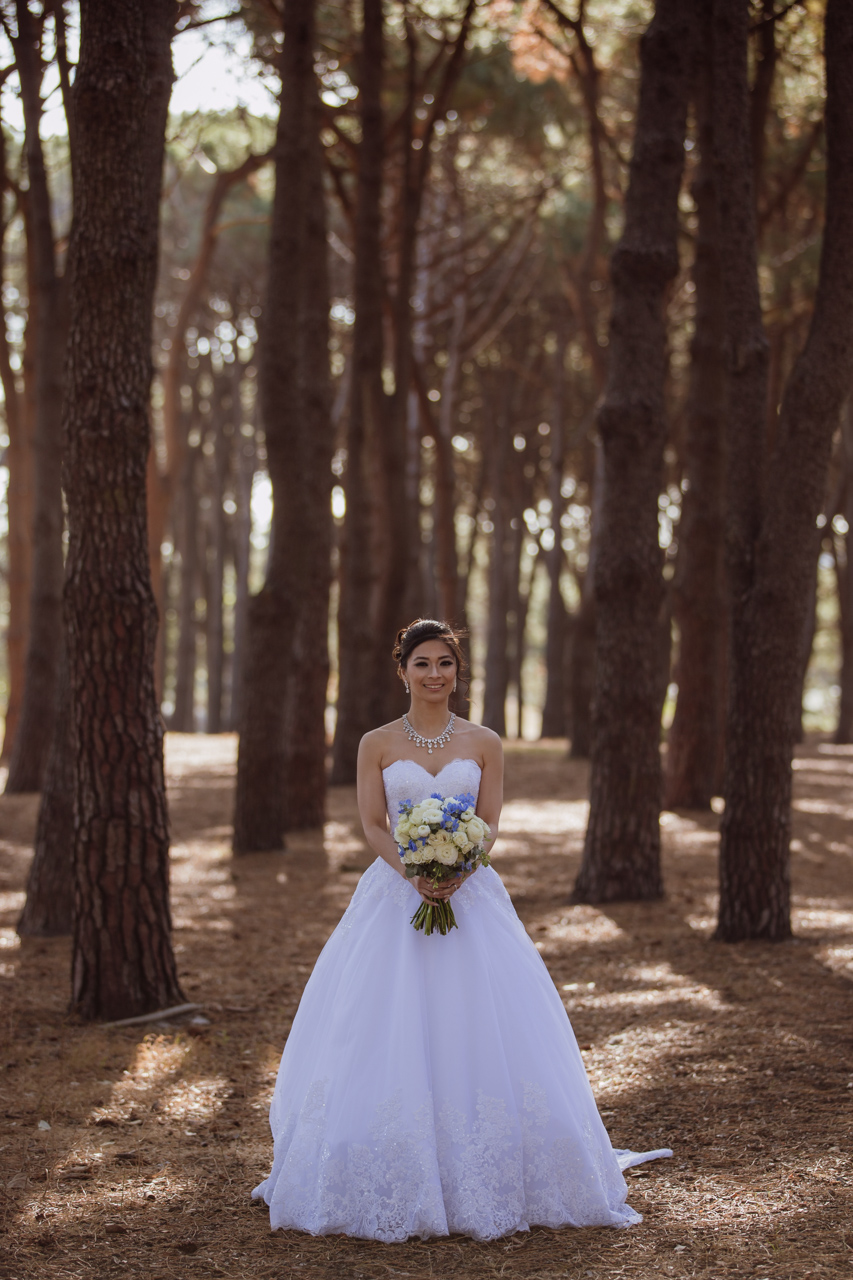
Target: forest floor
738 1057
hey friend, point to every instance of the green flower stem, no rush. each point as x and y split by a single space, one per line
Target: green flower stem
432 916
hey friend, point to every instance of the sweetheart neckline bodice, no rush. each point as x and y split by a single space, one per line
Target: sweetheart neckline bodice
418 765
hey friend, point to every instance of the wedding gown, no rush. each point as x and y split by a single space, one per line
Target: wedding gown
434 1085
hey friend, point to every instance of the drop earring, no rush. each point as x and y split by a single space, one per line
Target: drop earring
406 684
454 686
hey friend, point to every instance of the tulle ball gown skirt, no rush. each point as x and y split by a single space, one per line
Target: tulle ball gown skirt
434 1085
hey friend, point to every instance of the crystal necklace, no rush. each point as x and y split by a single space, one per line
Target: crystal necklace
430 743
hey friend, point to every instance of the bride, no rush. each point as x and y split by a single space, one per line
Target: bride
432 1085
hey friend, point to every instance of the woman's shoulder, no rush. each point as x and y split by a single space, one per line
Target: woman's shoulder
375 739
478 735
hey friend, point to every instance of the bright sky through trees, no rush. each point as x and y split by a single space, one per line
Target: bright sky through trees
212 65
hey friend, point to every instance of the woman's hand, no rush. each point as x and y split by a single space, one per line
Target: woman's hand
441 892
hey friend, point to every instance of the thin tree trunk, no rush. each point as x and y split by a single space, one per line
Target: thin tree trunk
214 621
244 472
555 708
122 960
186 525
844 578
699 596
38 707
48 910
260 816
19 511
582 639
621 857
772 564
497 657
361 583
444 506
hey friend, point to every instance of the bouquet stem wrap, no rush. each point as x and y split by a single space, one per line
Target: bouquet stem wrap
441 838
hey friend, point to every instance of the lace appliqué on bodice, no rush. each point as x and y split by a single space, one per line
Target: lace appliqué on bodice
408 780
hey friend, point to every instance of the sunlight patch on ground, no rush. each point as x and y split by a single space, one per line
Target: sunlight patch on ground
813 914
823 807
544 817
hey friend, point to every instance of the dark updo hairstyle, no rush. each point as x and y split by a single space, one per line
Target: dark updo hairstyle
423 629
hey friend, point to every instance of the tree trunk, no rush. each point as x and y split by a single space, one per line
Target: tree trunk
48 910
122 962
844 578
699 596
244 472
555 708
621 857
305 784
497 643
38 707
214 620
289 366
772 569
186 528
361 583
582 639
19 515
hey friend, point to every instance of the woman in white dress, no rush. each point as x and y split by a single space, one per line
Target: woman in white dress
432 1085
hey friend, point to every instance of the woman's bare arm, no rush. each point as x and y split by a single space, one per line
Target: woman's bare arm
371 803
490 798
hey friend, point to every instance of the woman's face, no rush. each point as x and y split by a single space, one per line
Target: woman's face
431 671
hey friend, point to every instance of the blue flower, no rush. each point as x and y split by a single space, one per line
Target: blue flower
412 846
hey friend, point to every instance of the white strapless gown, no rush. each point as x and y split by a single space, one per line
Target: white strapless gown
434 1085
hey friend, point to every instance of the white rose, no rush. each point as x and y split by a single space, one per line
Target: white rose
476 830
461 840
443 849
413 857
468 814
423 831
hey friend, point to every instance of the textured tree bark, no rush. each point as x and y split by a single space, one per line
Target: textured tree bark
38 706
122 961
19 507
772 571
305 779
293 388
621 858
699 596
48 910
19 503
361 585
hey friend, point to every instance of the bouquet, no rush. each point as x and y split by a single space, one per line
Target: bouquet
441 837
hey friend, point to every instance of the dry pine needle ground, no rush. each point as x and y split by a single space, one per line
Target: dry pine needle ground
738 1057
